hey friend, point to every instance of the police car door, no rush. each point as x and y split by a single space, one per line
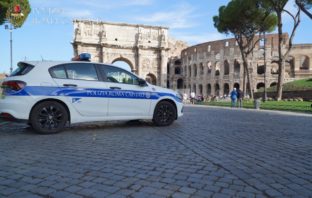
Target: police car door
83 87
126 97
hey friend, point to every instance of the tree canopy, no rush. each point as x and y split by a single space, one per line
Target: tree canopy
4 6
7 12
245 19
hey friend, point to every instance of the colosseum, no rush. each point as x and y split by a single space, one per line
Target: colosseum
214 68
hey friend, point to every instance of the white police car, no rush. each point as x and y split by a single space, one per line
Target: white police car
50 94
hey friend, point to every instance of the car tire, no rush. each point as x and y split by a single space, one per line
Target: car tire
49 117
164 114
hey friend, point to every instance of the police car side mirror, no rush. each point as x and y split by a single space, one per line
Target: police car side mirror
142 83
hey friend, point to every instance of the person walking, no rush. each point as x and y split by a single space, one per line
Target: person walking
193 97
239 98
233 97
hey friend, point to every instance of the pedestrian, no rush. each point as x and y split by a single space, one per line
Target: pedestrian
193 97
239 98
185 97
233 97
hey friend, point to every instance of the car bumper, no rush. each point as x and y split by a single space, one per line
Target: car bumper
15 107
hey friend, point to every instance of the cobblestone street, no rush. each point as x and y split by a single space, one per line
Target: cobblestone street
209 152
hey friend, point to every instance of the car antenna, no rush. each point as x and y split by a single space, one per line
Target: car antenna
42 59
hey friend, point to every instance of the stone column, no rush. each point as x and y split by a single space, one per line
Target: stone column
163 69
137 62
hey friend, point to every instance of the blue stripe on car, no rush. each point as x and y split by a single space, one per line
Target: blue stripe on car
87 92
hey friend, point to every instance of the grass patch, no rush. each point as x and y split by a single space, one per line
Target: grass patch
295 106
298 85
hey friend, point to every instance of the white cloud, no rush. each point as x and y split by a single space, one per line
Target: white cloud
178 17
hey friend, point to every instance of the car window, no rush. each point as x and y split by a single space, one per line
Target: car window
117 75
81 71
22 69
58 72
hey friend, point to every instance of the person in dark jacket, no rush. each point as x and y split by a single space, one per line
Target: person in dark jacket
239 98
233 97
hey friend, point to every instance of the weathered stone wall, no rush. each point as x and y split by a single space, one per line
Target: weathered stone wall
214 68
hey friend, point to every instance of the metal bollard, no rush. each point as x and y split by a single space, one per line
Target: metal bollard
257 103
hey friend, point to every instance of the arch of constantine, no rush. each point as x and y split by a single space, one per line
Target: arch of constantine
144 48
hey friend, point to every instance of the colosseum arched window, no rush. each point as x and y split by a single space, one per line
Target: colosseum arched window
201 69
305 63
190 71
226 89
274 68
209 67
236 67
226 68
217 72
177 70
208 89
195 70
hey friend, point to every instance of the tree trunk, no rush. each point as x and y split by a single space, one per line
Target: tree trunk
248 76
281 66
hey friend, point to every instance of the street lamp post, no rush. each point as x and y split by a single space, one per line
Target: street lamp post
11 48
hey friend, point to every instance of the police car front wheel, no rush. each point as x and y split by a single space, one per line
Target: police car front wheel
164 114
48 117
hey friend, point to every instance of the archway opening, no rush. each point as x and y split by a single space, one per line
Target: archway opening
226 89
305 63
236 85
236 67
151 78
209 89
217 89
180 83
123 63
200 87
260 85
226 68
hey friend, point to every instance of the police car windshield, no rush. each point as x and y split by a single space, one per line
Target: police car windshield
22 69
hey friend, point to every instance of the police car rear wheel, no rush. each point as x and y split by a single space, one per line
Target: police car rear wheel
164 114
49 117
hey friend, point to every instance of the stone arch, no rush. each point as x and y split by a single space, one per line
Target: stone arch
260 69
194 70
177 70
208 89
190 71
237 86
304 63
200 89
260 85
273 84
226 68
217 89
237 67
274 68
123 59
217 70
151 78
209 67
226 89
194 88
180 83
201 69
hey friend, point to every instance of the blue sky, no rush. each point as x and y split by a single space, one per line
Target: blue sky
48 32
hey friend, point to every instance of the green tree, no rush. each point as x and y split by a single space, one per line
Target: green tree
4 6
7 12
305 6
244 19
278 6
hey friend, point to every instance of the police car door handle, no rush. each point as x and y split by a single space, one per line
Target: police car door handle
115 88
69 85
